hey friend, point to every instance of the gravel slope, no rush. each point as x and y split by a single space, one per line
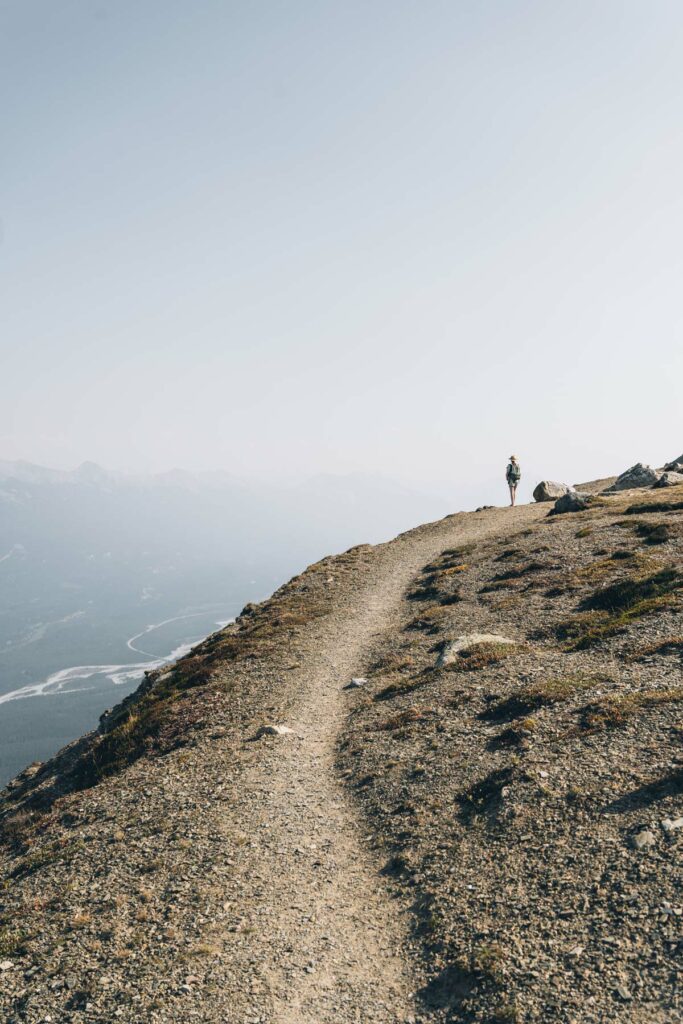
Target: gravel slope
176 868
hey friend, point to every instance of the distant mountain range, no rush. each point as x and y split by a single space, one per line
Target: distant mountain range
90 510
113 544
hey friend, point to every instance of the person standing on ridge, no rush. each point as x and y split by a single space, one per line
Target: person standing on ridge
512 475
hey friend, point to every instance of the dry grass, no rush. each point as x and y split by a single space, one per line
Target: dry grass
398 687
429 618
542 694
655 505
610 610
402 719
616 712
481 655
667 646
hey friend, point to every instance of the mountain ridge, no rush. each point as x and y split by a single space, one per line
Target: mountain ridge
477 840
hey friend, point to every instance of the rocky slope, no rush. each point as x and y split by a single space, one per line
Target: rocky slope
484 831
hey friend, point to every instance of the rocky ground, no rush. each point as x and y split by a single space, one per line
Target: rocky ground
478 834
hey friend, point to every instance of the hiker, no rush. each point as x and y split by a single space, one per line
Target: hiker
512 475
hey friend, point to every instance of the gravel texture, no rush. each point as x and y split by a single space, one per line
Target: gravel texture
420 848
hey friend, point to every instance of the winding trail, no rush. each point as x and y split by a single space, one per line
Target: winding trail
327 942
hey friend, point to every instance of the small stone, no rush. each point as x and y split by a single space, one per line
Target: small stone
671 824
357 683
273 730
6 965
623 993
643 840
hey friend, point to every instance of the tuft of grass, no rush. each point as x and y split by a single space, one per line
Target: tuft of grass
654 506
398 688
509 553
617 711
651 533
451 558
542 694
391 663
667 646
585 531
403 718
516 735
602 567
481 655
629 593
488 959
610 610
12 940
428 619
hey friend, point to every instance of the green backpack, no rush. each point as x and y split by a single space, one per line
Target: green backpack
514 472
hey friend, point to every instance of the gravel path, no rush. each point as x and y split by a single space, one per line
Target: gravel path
331 946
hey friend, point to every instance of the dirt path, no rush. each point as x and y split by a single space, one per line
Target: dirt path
327 944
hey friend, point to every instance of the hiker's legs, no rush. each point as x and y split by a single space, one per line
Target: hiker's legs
513 493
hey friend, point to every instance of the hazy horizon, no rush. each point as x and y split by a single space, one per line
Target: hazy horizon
307 238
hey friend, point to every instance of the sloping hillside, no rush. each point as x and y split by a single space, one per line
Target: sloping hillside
486 831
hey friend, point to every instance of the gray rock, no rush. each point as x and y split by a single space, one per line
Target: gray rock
639 475
462 644
6 965
643 840
672 824
623 993
548 490
572 501
669 479
273 730
357 683
676 466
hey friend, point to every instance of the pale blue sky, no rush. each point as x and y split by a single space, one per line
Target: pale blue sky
291 237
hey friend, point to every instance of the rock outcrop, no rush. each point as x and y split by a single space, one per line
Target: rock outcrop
549 490
572 501
669 479
639 475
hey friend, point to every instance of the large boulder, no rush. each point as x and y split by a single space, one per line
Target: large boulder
572 501
548 490
463 644
639 475
676 466
669 480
